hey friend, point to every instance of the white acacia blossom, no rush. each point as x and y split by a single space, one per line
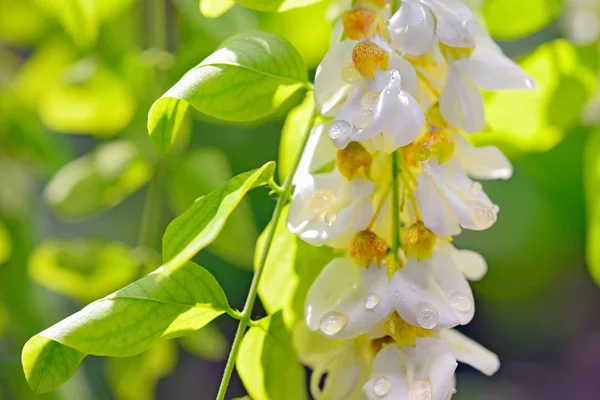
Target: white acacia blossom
387 181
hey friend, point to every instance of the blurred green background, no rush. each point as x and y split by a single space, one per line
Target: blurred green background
77 78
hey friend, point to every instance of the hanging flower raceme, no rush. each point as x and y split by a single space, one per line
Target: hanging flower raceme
387 181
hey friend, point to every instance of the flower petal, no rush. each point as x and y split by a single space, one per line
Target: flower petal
318 152
470 352
432 286
412 28
456 24
490 69
388 367
482 162
436 211
470 263
329 86
344 287
461 103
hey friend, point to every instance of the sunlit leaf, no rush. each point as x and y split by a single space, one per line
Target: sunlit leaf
135 378
83 269
295 126
311 39
88 99
267 363
215 8
513 19
291 268
168 303
78 18
199 172
98 180
247 78
276 5
203 221
591 182
536 120
207 343
164 121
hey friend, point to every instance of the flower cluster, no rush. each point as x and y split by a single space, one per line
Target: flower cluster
387 182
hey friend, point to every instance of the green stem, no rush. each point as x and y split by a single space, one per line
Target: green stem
150 227
247 311
395 210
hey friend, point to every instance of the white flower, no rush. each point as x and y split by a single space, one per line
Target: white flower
413 28
347 300
317 154
328 210
331 88
461 102
486 162
343 363
397 118
434 293
449 199
425 371
581 20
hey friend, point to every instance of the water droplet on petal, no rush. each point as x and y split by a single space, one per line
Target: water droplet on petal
483 214
381 386
349 73
368 100
339 128
420 390
423 152
461 302
426 314
496 208
333 322
371 301
329 217
362 119
476 187
320 202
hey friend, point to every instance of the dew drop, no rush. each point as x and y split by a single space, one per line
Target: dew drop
329 217
426 314
333 322
339 128
496 208
476 187
461 302
423 152
320 202
420 390
368 100
381 386
362 119
483 215
371 301
349 73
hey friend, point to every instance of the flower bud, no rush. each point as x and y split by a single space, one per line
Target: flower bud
403 333
366 247
361 23
368 58
351 159
418 241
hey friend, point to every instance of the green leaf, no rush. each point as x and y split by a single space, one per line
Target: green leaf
203 221
246 79
170 302
78 18
135 378
513 19
98 180
215 8
164 120
591 182
189 179
276 5
89 98
207 343
291 267
84 270
537 120
296 124
267 363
